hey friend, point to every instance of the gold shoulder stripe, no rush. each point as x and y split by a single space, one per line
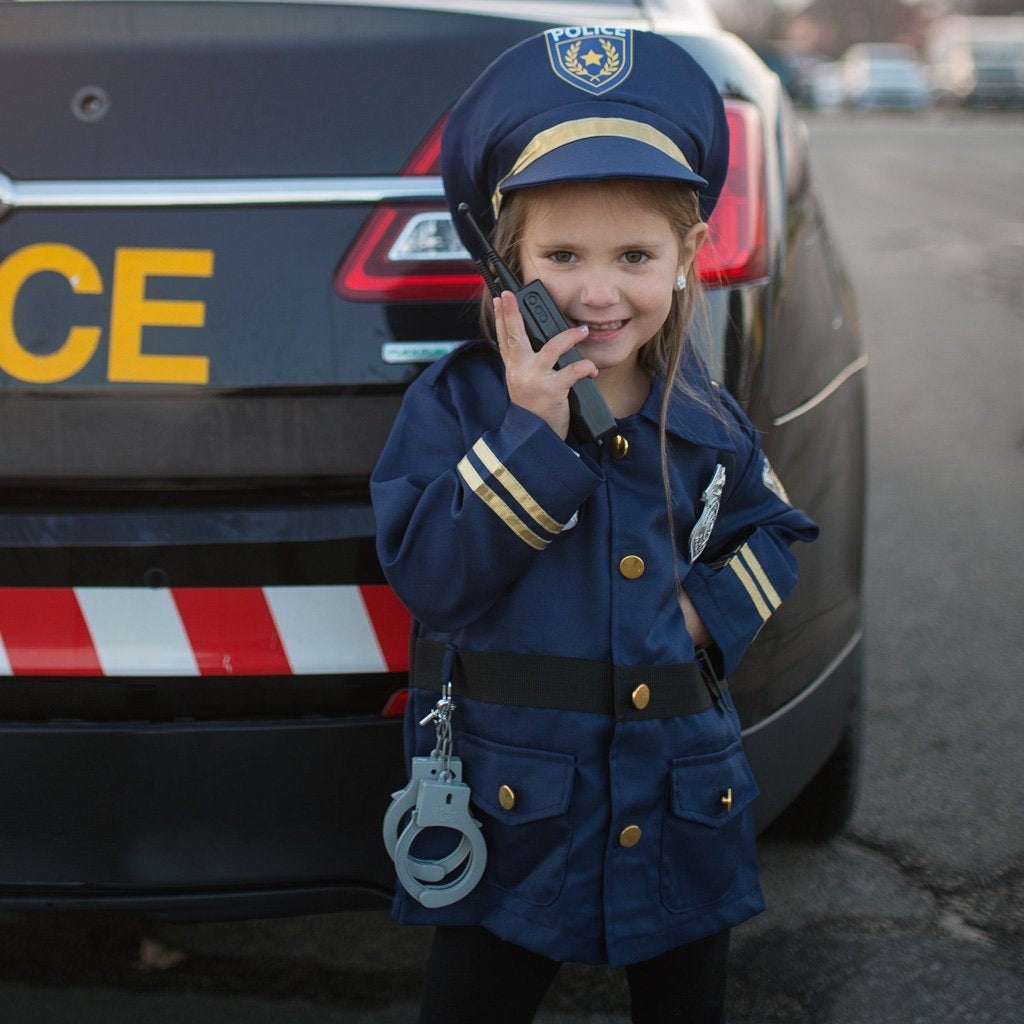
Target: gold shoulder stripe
502 474
498 506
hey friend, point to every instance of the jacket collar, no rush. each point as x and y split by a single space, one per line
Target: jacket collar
704 422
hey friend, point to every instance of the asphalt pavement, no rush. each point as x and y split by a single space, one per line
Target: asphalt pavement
917 914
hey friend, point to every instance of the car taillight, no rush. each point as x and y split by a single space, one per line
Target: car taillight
735 251
410 251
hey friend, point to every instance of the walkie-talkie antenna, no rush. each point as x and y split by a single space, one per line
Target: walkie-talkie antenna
495 273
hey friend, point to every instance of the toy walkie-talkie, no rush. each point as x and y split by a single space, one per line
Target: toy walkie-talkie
591 416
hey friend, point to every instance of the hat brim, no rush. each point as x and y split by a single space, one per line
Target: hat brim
593 159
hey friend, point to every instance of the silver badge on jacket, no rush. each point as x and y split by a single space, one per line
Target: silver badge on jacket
712 502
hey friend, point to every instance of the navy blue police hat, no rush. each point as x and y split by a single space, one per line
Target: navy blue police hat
581 103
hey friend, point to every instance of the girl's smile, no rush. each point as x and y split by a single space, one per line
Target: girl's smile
597 330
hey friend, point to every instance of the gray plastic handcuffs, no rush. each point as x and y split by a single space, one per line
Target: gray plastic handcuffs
435 797
404 800
442 805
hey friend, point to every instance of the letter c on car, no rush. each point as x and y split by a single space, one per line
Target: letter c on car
79 344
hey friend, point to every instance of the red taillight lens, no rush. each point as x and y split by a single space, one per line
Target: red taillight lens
735 251
410 251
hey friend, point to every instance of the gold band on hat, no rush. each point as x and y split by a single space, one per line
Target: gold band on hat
590 128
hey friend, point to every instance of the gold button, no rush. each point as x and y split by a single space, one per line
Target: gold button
630 836
641 696
632 567
619 447
506 797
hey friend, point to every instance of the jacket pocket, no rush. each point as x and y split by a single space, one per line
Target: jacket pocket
707 845
523 798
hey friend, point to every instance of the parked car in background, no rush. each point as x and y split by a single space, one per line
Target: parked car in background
885 76
978 61
224 254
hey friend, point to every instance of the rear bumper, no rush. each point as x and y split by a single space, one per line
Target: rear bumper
202 821
215 820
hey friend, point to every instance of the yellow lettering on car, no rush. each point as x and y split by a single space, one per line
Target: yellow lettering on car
131 311
80 343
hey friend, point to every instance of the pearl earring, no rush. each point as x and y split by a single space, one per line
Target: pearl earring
680 282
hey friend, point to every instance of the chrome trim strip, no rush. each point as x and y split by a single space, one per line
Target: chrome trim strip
834 385
214 192
827 672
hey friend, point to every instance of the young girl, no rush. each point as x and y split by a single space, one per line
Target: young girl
586 600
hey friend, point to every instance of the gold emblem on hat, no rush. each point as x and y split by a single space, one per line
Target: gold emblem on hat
583 67
592 59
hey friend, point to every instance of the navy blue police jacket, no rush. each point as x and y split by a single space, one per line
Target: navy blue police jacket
611 837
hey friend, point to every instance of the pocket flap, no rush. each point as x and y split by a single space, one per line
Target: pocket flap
516 784
712 789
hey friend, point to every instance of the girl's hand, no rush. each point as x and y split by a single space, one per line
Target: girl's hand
533 380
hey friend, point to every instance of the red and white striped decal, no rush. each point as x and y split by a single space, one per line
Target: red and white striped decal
200 631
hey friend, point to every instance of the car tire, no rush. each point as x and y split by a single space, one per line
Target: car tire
825 805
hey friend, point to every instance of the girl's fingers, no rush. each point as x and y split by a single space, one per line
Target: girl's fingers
575 372
562 343
513 338
533 379
508 322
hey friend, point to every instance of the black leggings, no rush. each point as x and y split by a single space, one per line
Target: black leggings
474 978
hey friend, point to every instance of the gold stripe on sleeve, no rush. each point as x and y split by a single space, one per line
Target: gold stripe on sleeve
498 506
503 475
751 588
751 562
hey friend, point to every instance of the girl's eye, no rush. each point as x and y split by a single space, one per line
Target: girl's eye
635 257
562 256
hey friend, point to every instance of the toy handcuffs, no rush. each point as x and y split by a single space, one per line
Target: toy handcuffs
436 797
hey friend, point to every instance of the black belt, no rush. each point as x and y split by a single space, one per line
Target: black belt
569 684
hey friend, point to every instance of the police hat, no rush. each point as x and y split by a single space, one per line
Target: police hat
581 104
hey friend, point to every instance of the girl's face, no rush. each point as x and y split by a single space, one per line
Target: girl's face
609 260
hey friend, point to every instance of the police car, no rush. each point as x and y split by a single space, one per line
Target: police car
224 253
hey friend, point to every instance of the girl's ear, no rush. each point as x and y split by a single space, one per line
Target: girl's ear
694 239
